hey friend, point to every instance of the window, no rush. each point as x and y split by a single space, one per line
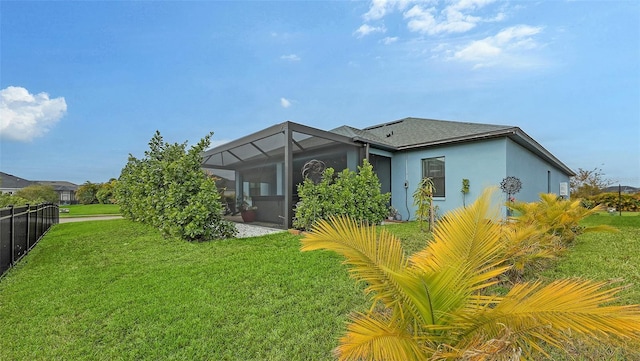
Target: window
434 168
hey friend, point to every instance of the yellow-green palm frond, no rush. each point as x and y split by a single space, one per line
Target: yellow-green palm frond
466 251
528 246
469 236
378 260
376 337
536 312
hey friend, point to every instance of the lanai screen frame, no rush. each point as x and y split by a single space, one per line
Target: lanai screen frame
277 143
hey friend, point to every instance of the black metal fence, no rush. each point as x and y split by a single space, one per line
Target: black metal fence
21 228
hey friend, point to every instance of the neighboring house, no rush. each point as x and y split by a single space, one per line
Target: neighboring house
11 184
66 190
268 165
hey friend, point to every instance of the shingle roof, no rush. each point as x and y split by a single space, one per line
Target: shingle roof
60 185
411 133
408 132
10 181
364 135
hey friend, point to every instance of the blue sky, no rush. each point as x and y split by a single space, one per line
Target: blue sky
83 84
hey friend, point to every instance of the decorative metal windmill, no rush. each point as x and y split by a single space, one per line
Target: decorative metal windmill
313 170
511 186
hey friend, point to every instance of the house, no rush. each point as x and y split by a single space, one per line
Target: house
268 165
11 184
66 190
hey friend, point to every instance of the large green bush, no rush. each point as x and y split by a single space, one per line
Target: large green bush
169 190
349 193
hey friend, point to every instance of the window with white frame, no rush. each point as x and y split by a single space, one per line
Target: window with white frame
434 169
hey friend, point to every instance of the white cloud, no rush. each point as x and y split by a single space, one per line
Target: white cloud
25 116
456 25
380 8
366 29
389 40
507 44
290 57
285 102
454 18
426 17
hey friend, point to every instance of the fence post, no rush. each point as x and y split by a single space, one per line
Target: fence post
28 226
12 235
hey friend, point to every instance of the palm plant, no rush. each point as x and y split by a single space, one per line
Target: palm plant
528 247
435 304
423 199
556 216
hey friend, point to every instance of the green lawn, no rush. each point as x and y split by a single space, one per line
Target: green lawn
109 290
87 210
605 256
117 290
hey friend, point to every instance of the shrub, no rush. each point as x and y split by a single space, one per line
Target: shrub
624 202
349 193
7 199
169 190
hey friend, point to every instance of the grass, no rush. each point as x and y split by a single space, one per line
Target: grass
412 237
88 210
117 290
605 256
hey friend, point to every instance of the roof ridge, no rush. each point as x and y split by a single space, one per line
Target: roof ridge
432 120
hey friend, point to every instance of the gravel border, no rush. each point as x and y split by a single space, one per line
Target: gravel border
244 230
247 230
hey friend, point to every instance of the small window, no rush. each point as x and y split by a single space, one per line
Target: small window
434 168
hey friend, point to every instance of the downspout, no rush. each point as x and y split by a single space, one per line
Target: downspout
366 151
288 178
406 185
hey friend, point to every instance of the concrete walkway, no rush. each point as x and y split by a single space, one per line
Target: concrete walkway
244 230
84 219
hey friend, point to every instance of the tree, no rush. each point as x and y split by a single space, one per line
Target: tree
38 193
436 304
105 192
87 193
588 183
169 190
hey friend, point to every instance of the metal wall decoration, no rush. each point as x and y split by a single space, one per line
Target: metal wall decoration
511 185
313 170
